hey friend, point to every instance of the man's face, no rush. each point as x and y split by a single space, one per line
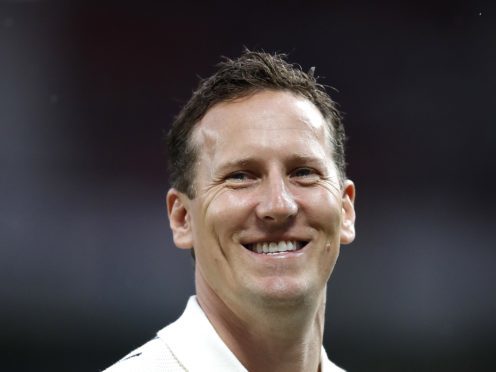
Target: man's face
265 181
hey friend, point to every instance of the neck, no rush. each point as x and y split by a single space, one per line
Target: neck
268 337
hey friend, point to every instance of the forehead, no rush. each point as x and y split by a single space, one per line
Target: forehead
262 119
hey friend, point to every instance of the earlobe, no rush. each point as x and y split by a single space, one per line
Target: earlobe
348 213
177 209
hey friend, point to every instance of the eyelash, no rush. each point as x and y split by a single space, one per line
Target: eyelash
309 172
242 176
237 176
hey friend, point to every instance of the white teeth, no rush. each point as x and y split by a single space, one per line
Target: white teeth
282 246
274 247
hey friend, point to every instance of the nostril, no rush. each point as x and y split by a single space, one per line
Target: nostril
278 218
277 212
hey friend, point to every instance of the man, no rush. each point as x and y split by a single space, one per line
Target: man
259 193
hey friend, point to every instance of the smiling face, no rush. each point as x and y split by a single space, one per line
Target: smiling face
269 213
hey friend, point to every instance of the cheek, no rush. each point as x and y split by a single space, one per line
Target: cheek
228 211
322 208
328 260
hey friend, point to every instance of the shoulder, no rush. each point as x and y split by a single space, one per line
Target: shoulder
153 356
326 365
157 354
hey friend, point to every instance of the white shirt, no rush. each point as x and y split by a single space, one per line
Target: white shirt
190 344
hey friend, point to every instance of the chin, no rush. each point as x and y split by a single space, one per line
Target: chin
284 292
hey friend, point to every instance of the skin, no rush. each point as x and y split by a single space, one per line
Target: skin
265 173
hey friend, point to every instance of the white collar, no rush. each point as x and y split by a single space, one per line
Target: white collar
196 344
198 347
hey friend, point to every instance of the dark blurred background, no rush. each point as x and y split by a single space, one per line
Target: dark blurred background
88 269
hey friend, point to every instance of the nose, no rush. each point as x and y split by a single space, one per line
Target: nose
277 204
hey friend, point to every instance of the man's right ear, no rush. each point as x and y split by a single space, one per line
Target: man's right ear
179 218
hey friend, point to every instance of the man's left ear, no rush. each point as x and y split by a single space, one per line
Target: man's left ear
348 213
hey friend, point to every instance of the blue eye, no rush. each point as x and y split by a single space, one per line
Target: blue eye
303 172
305 176
239 177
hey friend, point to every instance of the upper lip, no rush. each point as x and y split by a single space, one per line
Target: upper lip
274 239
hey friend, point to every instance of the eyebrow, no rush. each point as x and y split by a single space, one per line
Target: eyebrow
238 163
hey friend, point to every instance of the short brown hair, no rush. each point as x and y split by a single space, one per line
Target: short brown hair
236 78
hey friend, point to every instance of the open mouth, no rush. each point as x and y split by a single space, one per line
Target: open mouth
272 248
